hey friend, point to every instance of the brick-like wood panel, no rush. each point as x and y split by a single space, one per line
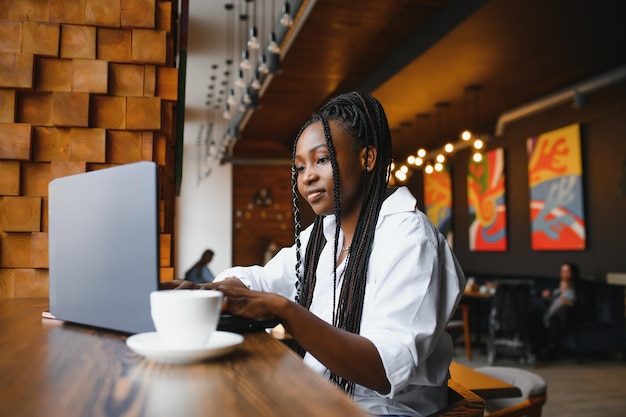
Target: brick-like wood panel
61 114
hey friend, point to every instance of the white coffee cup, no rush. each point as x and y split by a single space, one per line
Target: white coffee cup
185 318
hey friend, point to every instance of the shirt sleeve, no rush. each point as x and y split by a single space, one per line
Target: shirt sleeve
277 276
415 283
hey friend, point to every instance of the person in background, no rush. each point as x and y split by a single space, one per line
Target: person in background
366 291
200 272
560 304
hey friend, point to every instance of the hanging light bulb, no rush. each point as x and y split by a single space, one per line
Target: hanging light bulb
256 83
449 147
273 46
231 97
477 157
429 168
253 42
478 144
419 162
410 159
244 65
263 69
286 19
240 82
246 99
438 167
421 152
440 158
226 115
466 135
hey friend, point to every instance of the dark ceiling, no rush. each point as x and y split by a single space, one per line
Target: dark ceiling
413 54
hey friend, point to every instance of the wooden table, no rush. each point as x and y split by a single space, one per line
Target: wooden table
482 385
51 368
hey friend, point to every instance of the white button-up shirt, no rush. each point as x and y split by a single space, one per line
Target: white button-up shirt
414 283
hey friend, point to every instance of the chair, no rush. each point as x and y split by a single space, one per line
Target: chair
463 323
508 323
461 403
534 393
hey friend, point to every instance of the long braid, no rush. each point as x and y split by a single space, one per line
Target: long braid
363 116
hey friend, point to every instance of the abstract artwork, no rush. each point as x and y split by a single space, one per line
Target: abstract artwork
556 190
438 201
486 198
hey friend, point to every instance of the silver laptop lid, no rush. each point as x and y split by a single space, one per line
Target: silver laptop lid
103 247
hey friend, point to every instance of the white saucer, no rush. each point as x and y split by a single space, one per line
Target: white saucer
153 348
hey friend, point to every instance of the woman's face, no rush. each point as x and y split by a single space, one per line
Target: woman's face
566 272
315 172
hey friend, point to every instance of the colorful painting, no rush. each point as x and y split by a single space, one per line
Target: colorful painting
486 198
556 190
438 201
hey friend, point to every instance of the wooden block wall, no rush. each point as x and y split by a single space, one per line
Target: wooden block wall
84 85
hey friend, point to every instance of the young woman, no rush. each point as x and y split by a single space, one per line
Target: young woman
367 289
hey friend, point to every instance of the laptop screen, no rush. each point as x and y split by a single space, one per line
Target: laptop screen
103 247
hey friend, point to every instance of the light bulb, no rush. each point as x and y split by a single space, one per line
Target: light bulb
410 159
244 65
226 115
478 144
253 42
477 157
466 135
404 169
263 69
421 152
286 19
438 167
273 46
449 147
428 169
419 161
231 97
440 158
240 82
401 176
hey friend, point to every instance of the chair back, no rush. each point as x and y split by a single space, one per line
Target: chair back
461 403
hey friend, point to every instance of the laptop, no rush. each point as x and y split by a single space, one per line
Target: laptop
103 250
103 247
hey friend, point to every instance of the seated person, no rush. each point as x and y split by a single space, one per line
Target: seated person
366 291
560 304
200 273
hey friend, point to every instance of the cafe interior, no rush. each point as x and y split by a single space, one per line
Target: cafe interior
214 93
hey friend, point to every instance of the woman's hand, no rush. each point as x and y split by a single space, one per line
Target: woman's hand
241 301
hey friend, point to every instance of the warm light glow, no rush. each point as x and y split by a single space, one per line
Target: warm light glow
393 166
466 135
477 157
449 147
438 167
410 159
440 158
404 169
429 169
419 161
401 176
421 152
478 144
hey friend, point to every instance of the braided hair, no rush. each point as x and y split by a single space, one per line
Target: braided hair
363 117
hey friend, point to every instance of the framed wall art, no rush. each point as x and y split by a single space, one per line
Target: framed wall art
556 190
486 198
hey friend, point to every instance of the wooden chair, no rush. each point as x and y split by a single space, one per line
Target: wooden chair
461 403
534 392
463 323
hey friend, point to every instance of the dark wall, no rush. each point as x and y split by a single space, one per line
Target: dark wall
603 142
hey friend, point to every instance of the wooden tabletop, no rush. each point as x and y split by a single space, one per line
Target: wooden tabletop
481 384
51 368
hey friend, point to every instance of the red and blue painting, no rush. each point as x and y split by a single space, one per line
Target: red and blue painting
556 190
